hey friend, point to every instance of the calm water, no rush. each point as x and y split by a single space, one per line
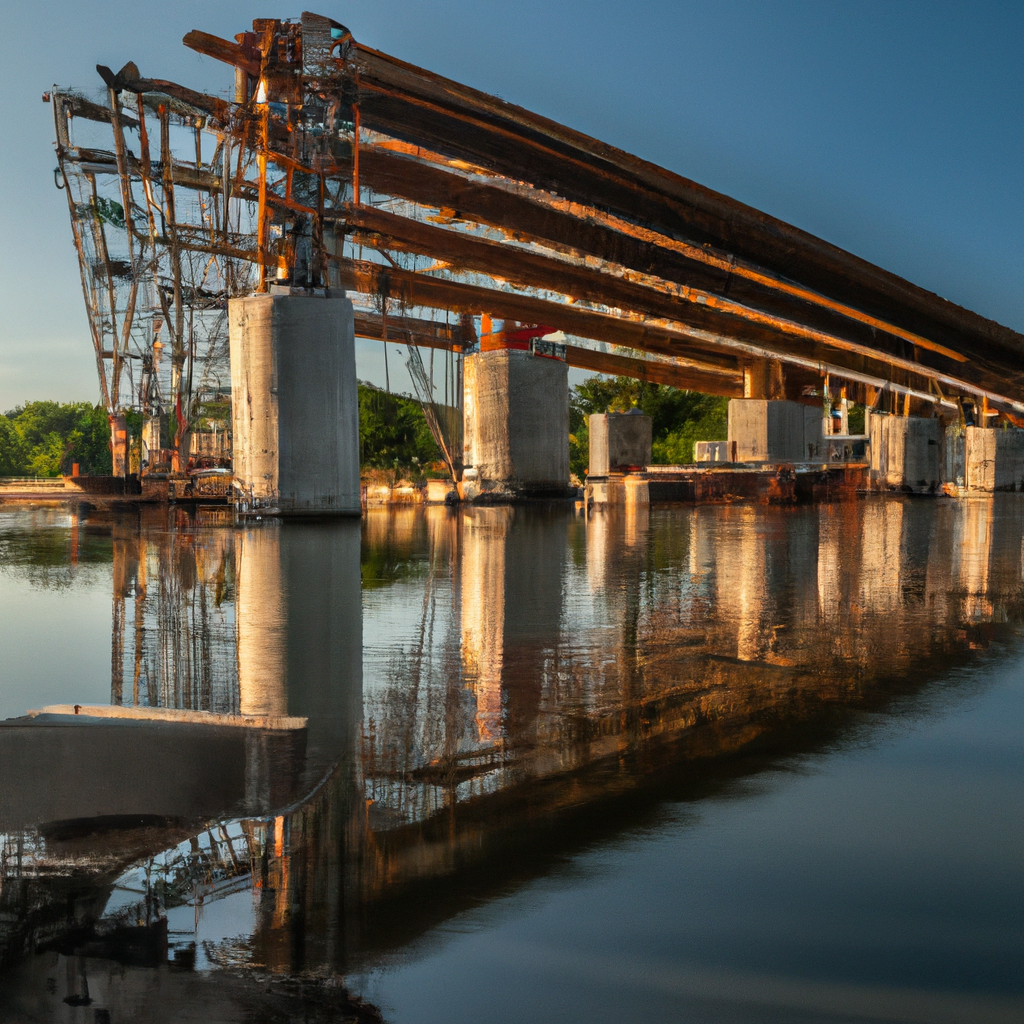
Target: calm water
716 764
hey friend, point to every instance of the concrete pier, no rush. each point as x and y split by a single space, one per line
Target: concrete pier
773 431
619 441
295 406
984 459
516 426
905 453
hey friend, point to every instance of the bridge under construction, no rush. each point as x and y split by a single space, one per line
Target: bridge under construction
233 248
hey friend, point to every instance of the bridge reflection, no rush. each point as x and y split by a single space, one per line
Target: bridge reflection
489 690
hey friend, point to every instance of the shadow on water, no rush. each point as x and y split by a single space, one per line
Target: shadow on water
486 693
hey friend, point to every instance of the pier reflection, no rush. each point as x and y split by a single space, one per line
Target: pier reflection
487 690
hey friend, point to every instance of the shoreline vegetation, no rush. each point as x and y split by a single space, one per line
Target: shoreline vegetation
44 438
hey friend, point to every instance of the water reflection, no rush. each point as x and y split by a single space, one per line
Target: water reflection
511 685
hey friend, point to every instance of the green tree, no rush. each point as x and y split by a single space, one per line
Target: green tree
12 449
393 432
678 418
52 435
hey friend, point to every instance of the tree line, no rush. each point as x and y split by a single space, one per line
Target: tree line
46 438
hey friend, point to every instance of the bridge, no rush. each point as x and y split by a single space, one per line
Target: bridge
460 222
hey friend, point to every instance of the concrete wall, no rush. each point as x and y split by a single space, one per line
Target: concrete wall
906 453
814 436
619 440
58 768
766 431
516 425
985 459
995 459
295 406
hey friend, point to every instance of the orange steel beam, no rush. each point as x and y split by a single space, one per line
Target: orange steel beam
469 125
411 289
689 346
562 224
630 291
656 371
403 330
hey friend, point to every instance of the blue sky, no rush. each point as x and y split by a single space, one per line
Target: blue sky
894 130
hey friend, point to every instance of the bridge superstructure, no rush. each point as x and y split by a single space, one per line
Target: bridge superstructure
338 167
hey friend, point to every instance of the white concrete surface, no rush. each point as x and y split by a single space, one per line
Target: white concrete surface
985 459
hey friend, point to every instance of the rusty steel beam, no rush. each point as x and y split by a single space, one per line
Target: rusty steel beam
404 330
579 232
529 214
658 298
656 371
693 346
408 289
463 123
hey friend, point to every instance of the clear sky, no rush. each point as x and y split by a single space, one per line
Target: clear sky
893 129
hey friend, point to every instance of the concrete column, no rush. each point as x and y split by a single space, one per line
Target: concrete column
905 453
985 459
516 426
619 441
766 431
295 406
814 437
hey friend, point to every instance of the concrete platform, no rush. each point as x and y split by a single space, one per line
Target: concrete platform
125 762
774 485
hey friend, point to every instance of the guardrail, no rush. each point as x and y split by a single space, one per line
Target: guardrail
52 481
31 483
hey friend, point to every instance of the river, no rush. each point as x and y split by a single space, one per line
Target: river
722 763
